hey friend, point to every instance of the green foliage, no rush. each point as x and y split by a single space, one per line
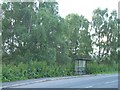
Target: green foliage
37 42
99 68
80 42
34 69
33 33
105 26
0 73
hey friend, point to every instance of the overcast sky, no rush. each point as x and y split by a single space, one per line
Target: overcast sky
85 7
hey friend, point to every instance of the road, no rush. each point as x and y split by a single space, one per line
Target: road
92 81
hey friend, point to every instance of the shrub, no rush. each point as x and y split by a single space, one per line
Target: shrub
33 69
95 68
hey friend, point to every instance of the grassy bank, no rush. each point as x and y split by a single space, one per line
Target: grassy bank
34 69
95 68
0 72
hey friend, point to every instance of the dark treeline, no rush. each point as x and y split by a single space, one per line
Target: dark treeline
38 42
37 32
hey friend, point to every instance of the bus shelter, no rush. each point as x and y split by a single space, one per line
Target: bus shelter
80 66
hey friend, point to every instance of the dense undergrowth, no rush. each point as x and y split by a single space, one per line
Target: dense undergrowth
35 69
95 68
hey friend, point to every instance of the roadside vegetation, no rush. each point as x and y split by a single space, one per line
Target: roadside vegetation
34 69
0 72
37 42
95 68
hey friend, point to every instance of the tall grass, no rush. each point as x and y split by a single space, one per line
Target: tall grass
34 69
95 68
0 73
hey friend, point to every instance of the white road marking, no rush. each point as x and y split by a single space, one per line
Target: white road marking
89 87
111 82
21 84
52 80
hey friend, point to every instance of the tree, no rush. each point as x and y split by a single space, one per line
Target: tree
105 27
16 27
79 36
32 32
